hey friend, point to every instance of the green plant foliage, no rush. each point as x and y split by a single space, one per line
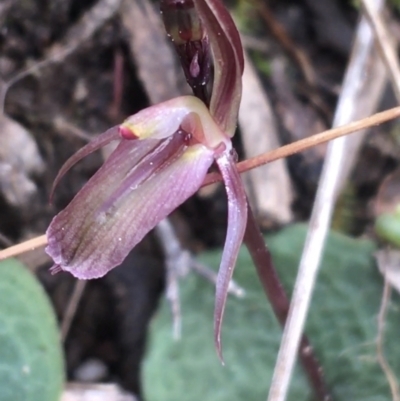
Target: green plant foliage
246 17
395 4
342 327
262 63
31 359
387 226
345 214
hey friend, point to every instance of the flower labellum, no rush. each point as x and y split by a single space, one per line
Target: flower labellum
161 160
162 157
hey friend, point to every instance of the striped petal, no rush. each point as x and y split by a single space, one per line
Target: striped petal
88 239
228 62
237 220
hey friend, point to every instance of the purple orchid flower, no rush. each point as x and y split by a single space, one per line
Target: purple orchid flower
162 158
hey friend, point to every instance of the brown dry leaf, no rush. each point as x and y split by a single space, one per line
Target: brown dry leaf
19 160
268 186
152 53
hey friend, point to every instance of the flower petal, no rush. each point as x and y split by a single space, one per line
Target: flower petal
89 242
162 154
101 140
237 220
228 58
164 119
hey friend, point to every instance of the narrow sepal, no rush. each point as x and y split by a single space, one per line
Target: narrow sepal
237 220
228 58
95 144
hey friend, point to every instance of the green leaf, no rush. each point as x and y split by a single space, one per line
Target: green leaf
342 327
31 359
387 226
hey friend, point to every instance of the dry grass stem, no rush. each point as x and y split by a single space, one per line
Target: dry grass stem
385 44
348 109
26 246
177 262
306 143
291 48
70 311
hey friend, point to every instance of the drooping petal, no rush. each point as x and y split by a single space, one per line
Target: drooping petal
95 144
237 220
89 242
228 62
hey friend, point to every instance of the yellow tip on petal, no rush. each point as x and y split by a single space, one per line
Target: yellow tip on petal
194 151
136 131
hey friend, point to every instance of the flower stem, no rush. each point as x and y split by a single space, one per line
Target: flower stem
280 302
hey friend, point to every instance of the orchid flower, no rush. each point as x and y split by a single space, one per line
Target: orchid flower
162 157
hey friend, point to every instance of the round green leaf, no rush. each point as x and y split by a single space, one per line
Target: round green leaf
342 327
31 358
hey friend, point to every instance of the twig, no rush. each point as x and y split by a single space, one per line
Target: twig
25 246
210 275
61 124
177 263
391 378
385 44
321 215
306 143
70 311
5 86
118 85
292 49
86 26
